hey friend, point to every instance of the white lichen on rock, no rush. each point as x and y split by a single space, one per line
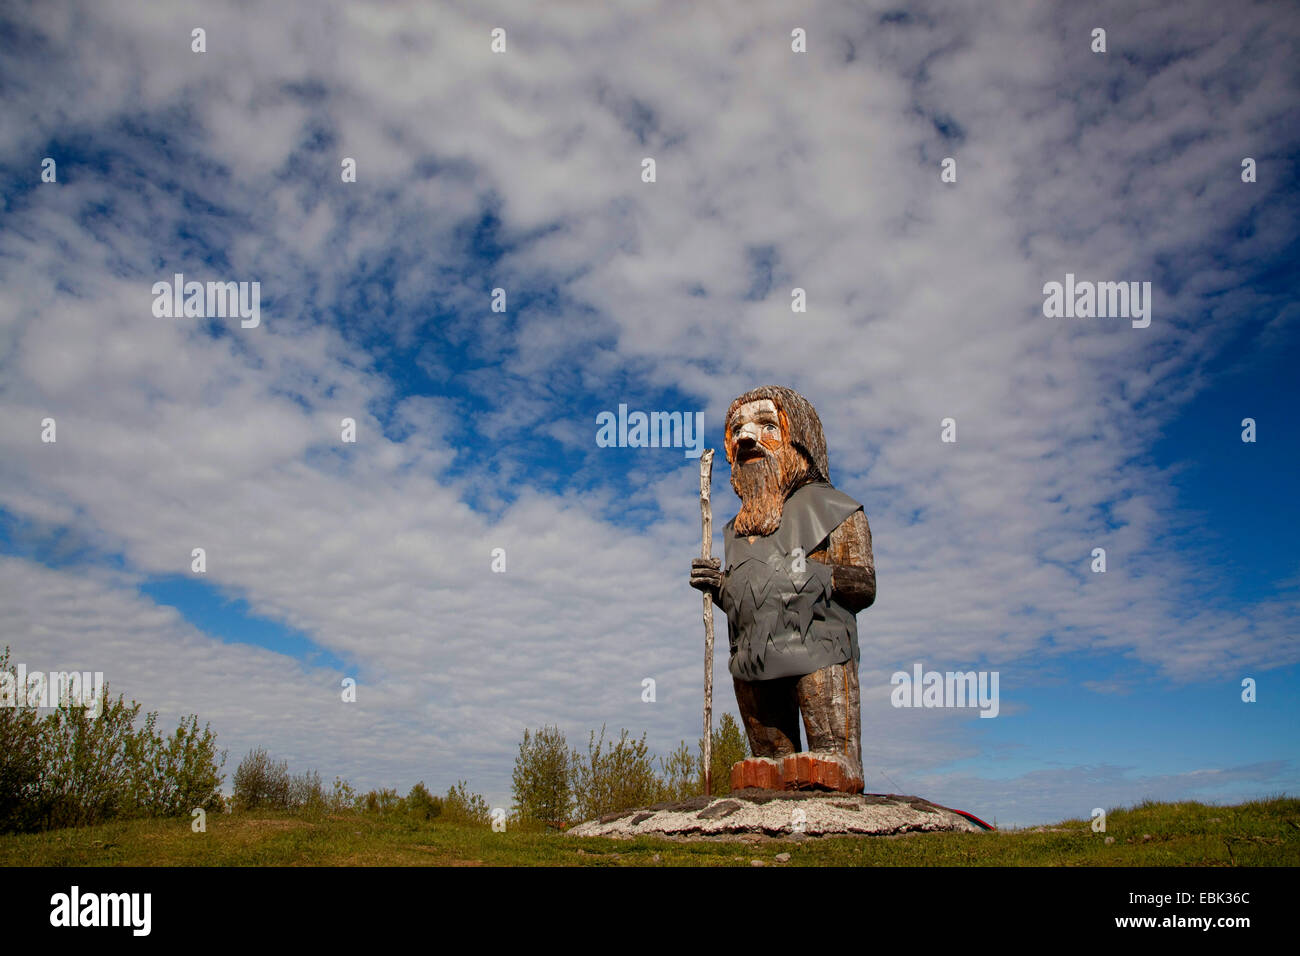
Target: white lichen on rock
780 813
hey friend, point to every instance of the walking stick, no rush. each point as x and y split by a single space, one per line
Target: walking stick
706 550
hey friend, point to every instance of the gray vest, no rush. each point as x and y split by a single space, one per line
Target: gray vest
782 622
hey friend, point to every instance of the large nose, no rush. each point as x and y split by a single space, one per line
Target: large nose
749 432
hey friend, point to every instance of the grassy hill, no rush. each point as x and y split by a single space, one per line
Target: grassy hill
1259 833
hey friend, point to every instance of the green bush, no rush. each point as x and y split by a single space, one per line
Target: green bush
421 804
344 798
461 806
383 801
69 768
177 774
551 784
680 774
22 763
542 780
613 777
261 783
307 796
729 746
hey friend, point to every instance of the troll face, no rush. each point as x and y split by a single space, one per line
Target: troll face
765 464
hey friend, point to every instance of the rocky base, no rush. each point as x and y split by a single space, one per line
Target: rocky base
801 771
753 813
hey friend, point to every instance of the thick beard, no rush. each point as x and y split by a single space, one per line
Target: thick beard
763 486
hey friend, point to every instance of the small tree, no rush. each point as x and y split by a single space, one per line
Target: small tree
71 769
307 795
681 776
542 784
174 775
21 760
344 798
613 777
261 783
383 801
462 806
729 746
92 763
421 804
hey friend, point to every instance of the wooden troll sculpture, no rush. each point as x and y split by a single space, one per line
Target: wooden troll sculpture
799 569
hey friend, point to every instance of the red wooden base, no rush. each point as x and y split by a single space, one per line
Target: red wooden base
803 771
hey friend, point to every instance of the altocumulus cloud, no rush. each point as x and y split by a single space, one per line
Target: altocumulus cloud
522 171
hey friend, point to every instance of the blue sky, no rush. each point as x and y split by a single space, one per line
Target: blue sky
476 429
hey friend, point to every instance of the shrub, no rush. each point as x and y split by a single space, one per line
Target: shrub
175 775
22 761
91 764
71 769
613 777
421 804
681 774
261 783
461 806
729 746
542 784
307 796
344 798
383 801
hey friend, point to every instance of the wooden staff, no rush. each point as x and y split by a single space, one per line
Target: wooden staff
706 551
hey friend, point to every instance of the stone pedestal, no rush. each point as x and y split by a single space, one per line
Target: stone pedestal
801 771
781 814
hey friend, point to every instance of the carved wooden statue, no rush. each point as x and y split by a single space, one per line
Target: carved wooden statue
799 569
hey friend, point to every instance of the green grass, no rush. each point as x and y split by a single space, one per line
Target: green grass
1259 833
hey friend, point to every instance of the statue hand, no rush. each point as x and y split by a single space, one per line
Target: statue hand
853 587
706 575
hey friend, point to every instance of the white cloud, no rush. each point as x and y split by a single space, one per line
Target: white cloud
924 303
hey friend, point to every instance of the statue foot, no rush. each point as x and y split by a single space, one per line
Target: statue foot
802 771
821 771
762 773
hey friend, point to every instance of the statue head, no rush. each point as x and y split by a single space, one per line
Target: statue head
774 444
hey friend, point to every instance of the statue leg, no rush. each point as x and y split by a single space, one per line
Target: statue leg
770 711
829 699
